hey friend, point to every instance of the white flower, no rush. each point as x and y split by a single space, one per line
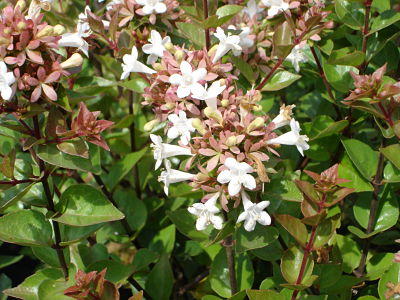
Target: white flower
156 47
292 137
206 213
226 43
252 9
132 65
6 80
181 127
275 6
210 94
163 150
296 57
110 5
152 6
253 213
284 117
189 80
173 176
245 41
237 176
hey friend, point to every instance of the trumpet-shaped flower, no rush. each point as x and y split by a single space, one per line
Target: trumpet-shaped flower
181 126
152 6
156 47
284 117
188 82
206 213
275 6
237 175
132 65
253 213
245 41
210 94
173 176
252 9
292 138
296 57
226 43
163 150
6 80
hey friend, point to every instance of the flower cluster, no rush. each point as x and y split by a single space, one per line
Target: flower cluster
219 128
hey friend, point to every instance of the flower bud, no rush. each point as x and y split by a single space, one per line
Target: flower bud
169 105
75 60
58 30
213 114
157 66
231 141
212 50
46 31
170 47
7 30
224 102
21 26
179 55
21 4
201 177
198 125
222 81
257 107
150 125
257 122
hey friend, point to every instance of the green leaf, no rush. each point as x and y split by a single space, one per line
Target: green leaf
330 129
350 13
28 289
349 172
14 195
291 264
295 227
378 264
49 256
117 272
193 32
164 240
346 58
76 147
350 252
137 84
50 290
27 228
73 234
392 275
122 167
53 156
83 205
338 76
144 257
185 223
228 10
7 260
160 280
134 209
364 158
392 153
244 68
219 275
280 80
260 237
384 20
328 274
264 295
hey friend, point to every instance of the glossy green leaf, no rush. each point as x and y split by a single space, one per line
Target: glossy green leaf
392 275
83 205
193 32
280 80
350 13
264 295
384 20
392 153
338 76
137 84
291 264
163 241
117 272
348 171
260 237
295 227
350 252
185 223
7 260
346 58
26 227
160 280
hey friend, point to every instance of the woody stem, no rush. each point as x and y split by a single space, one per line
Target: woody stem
230 258
207 30
365 32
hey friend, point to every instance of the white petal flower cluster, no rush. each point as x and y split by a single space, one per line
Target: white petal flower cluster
226 43
169 176
275 7
253 213
205 213
297 56
132 65
152 6
188 80
252 9
6 80
156 47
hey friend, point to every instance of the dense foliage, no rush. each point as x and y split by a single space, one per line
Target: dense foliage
232 149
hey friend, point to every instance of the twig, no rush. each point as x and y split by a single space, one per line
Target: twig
207 30
372 216
15 181
138 287
230 258
365 32
51 207
23 123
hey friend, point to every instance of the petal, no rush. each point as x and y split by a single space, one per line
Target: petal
186 68
231 163
148 48
221 51
224 177
217 221
160 8
199 74
288 138
201 223
197 89
234 187
175 79
173 118
3 67
134 53
249 182
147 9
245 167
6 92
155 37
242 217
158 163
183 91
173 133
264 219
249 224
263 205
142 68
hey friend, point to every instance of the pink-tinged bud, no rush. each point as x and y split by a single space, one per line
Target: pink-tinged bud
74 61
224 102
198 125
257 123
58 30
21 26
46 31
150 125
201 177
170 47
157 66
170 105
231 141
213 114
179 55
21 4
222 82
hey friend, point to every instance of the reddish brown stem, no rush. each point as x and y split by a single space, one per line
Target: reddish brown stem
23 123
207 30
230 258
365 32
15 182
60 140
269 75
387 115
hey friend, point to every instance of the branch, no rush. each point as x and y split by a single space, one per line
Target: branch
365 32
207 30
230 258
50 203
